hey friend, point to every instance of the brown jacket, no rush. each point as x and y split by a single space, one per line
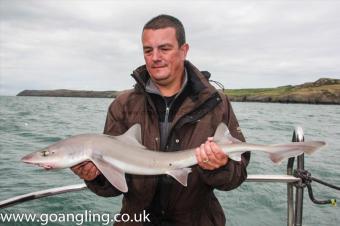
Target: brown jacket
197 118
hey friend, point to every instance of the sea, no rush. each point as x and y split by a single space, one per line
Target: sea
31 123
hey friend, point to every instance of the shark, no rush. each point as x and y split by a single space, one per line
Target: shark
115 156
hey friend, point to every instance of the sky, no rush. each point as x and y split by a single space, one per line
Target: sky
95 45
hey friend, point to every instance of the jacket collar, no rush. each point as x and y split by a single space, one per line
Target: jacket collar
152 88
200 90
199 84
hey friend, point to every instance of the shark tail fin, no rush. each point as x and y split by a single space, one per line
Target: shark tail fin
285 151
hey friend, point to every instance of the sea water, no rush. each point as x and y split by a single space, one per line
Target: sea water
30 123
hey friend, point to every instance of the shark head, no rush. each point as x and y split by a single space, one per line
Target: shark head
62 154
46 158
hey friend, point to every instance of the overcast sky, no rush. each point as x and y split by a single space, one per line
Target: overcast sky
95 45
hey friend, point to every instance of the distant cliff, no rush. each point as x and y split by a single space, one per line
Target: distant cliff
69 93
322 91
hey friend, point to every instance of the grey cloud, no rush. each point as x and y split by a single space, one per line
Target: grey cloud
96 44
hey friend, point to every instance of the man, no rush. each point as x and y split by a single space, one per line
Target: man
177 109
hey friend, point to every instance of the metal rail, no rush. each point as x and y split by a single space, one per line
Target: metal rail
40 194
273 178
78 187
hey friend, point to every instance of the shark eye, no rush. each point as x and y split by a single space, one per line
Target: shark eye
45 153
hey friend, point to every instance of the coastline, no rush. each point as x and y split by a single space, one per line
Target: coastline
70 93
322 91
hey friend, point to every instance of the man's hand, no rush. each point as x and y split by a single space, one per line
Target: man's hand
210 156
86 170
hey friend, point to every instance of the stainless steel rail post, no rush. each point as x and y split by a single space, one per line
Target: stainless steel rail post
290 194
298 136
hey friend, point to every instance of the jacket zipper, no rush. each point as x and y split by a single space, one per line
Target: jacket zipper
192 119
166 122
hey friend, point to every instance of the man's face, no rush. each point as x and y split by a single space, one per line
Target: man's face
164 59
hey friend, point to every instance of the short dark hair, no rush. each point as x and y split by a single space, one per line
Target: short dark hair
164 21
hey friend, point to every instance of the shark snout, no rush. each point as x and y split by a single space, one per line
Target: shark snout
27 159
32 159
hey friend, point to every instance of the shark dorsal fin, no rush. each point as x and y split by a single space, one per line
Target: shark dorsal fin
132 136
220 133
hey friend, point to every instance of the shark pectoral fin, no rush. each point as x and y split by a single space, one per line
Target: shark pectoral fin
114 175
181 175
133 136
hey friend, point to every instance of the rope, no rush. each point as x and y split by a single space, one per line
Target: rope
325 183
306 180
